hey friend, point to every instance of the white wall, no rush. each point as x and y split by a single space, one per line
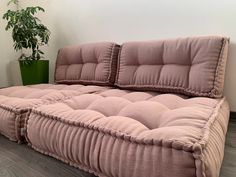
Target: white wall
7 53
78 21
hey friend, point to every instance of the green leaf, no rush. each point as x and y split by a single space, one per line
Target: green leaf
27 30
41 52
13 1
40 9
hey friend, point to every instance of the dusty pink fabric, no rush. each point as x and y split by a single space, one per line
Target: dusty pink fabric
87 64
119 133
191 66
16 102
125 133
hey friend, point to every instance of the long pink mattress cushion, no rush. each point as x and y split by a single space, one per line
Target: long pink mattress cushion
16 102
93 63
118 133
190 66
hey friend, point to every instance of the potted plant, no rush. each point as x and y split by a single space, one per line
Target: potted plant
29 34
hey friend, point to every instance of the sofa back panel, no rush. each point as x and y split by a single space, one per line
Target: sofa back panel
190 66
87 64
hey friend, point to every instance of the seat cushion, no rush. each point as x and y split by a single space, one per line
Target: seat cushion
118 133
16 102
93 63
190 66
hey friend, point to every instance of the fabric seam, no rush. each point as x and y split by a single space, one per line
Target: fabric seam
201 144
183 90
125 137
216 75
82 167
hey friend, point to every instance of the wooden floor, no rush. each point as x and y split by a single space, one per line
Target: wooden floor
21 161
229 164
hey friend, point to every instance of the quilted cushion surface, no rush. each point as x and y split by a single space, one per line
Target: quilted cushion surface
190 66
119 133
16 102
93 63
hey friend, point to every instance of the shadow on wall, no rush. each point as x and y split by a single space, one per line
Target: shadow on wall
230 77
63 38
13 73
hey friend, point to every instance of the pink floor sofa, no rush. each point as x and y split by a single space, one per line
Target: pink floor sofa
157 110
17 102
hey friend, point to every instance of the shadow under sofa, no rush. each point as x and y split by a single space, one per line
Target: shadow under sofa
155 109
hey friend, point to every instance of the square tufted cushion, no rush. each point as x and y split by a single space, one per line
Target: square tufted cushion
191 66
16 103
93 63
122 133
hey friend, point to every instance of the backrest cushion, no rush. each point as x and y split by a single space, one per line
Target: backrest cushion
190 66
87 64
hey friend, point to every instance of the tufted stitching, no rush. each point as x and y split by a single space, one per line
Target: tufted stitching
163 52
135 74
113 63
11 109
166 88
188 79
124 136
177 89
200 145
111 132
118 65
25 109
220 60
81 56
148 97
110 53
21 111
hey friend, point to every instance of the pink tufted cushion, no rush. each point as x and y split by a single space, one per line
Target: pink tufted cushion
191 66
87 64
16 103
120 133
